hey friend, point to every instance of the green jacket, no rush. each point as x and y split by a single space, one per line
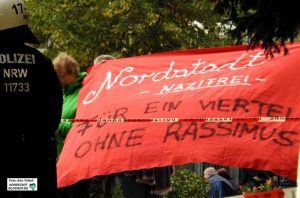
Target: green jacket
69 109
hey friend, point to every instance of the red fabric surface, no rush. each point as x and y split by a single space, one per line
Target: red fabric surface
201 83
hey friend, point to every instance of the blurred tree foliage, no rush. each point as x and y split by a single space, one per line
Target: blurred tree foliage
271 23
124 28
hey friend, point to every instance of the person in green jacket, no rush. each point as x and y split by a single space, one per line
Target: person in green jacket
68 72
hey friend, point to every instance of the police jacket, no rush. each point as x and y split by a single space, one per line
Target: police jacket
31 102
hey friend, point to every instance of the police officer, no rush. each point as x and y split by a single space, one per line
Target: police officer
31 102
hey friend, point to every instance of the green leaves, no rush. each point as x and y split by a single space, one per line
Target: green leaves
186 183
123 28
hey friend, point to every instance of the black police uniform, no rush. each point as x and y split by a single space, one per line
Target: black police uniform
31 103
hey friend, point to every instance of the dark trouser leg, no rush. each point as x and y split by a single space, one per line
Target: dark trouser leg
78 190
131 189
97 187
102 186
110 186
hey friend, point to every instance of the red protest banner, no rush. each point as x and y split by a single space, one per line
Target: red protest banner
211 83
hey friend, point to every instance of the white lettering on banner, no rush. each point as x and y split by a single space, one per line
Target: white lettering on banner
199 68
109 85
204 84
17 58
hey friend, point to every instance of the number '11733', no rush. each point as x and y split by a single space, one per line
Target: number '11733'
16 87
